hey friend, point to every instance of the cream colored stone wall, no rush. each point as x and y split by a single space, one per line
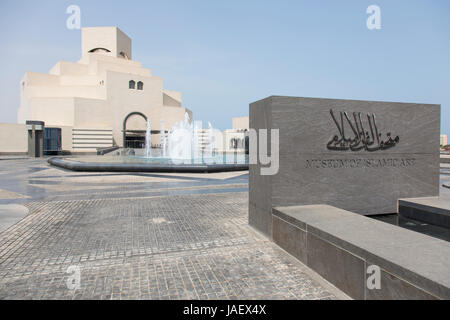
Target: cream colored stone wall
88 140
32 79
242 123
13 138
93 59
110 38
94 92
66 137
100 66
91 113
174 95
124 44
219 141
53 111
69 68
67 92
443 140
171 102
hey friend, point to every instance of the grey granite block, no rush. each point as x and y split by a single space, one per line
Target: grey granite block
363 190
290 238
278 213
260 187
338 266
418 259
261 219
367 181
394 288
432 210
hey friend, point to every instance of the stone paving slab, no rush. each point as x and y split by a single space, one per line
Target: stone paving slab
170 247
132 244
5 194
131 192
11 214
249 272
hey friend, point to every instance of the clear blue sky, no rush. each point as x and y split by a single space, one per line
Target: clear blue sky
223 55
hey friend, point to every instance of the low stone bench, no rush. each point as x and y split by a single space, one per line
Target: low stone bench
341 245
433 210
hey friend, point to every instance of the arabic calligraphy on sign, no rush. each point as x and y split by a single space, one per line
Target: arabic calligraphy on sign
364 135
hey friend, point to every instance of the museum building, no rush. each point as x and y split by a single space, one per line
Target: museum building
103 100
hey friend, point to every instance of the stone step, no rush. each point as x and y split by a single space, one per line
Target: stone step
342 246
432 210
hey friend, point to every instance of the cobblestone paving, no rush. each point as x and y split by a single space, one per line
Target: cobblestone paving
171 246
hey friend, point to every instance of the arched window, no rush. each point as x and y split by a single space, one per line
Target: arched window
132 84
140 85
99 50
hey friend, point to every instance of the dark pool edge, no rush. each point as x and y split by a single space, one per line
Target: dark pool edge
142 167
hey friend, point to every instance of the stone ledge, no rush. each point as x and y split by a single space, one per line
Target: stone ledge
143 167
433 210
413 265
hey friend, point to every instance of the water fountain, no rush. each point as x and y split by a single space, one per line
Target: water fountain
210 144
163 139
148 140
181 151
181 140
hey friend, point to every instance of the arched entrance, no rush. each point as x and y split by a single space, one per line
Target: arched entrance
134 129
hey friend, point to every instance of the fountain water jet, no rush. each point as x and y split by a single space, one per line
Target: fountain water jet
163 139
180 140
148 140
188 148
184 141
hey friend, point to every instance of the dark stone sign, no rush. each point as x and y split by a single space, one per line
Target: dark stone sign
360 156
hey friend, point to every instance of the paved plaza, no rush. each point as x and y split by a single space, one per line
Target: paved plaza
139 236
